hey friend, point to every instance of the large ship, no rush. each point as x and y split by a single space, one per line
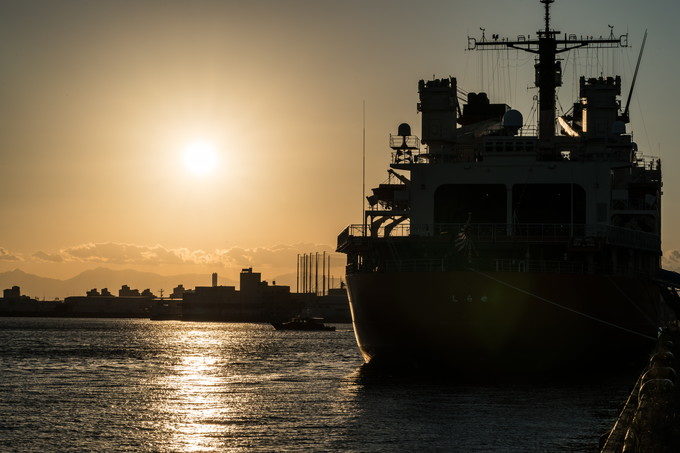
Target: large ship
496 247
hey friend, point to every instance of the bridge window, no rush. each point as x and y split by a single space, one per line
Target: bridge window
485 203
548 203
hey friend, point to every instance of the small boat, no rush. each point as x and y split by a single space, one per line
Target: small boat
299 323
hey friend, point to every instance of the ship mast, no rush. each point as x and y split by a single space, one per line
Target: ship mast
548 67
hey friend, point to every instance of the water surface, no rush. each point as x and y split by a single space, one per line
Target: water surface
112 385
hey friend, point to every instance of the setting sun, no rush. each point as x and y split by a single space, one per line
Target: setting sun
200 158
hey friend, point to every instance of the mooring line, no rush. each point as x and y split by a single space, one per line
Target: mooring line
632 302
586 315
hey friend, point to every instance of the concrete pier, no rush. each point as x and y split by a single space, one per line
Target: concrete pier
650 418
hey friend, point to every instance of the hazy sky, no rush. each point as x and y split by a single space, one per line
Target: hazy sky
100 100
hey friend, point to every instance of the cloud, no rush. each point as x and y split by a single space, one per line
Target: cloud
49 257
278 256
671 259
121 253
6 255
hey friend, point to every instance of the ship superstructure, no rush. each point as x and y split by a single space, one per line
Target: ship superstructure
491 239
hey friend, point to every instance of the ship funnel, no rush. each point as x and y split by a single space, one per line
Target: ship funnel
512 121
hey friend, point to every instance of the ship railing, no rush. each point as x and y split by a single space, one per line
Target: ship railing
635 238
549 232
649 203
415 265
359 230
502 232
499 265
553 267
368 231
414 156
524 232
506 265
528 131
647 162
406 150
404 142
564 267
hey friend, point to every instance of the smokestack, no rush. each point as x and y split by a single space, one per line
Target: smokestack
304 273
323 275
316 273
214 278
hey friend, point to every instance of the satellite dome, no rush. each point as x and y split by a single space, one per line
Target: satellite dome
404 130
512 119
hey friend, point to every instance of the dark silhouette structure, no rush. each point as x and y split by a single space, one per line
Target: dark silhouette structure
495 246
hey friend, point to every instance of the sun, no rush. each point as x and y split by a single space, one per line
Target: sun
200 158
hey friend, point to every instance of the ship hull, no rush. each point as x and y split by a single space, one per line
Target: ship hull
504 322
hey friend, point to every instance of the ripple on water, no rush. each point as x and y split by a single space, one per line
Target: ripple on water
84 384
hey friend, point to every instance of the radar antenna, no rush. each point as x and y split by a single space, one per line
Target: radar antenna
548 67
547 13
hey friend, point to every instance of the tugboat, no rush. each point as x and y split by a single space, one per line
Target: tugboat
306 324
498 248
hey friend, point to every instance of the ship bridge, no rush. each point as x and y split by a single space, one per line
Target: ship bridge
480 188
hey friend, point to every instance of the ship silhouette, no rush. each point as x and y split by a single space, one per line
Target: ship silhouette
496 247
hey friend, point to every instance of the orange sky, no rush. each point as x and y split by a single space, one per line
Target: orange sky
100 100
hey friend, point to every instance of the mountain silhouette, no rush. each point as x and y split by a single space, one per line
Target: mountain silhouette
101 277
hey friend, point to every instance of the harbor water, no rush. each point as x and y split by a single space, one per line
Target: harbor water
113 385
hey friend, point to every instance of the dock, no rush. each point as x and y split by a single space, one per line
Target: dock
650 419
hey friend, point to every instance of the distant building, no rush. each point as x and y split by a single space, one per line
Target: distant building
256 301
126 291
14 304
249 280
13 293
129 304
214 278
178 292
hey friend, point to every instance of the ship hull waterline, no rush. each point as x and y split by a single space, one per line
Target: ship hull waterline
499 322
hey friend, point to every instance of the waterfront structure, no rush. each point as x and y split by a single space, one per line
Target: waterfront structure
255 301
497 247
126 291
178 292
13 303
129 304
12 293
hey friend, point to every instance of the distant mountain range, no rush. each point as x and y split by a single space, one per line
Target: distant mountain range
101 277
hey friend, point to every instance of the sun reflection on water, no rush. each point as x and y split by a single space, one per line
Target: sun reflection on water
237 387
195 399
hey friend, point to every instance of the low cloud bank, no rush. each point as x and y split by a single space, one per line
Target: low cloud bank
6 255
278 256
671 260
